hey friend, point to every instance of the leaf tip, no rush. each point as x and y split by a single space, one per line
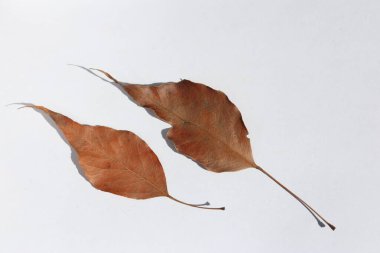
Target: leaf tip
106 74
23 105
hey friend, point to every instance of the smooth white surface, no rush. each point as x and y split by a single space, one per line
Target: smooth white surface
305 75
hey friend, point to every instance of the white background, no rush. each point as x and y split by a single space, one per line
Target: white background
305 75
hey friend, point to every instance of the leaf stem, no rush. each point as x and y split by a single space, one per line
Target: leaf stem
196 206
295 196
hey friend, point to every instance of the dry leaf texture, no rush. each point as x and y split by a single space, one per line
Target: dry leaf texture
115 161
206 125
112 160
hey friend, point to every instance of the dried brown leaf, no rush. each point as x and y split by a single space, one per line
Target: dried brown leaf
206 126
115 161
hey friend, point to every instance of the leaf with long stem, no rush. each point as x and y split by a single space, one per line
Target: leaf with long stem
206 126
115 161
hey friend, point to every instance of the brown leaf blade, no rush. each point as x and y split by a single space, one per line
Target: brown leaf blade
206 125
115 161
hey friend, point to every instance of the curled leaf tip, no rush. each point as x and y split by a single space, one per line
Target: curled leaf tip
37 107
23 105
106 74
12 104
78 66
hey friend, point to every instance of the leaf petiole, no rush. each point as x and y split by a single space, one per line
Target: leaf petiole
196 206
295 196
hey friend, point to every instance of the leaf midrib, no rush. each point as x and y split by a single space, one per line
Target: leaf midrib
203 129
137 174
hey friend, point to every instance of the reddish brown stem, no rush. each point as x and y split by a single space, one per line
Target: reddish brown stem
295 196
196 206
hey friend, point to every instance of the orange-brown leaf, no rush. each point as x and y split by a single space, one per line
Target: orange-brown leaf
206 125
115 161
112 160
